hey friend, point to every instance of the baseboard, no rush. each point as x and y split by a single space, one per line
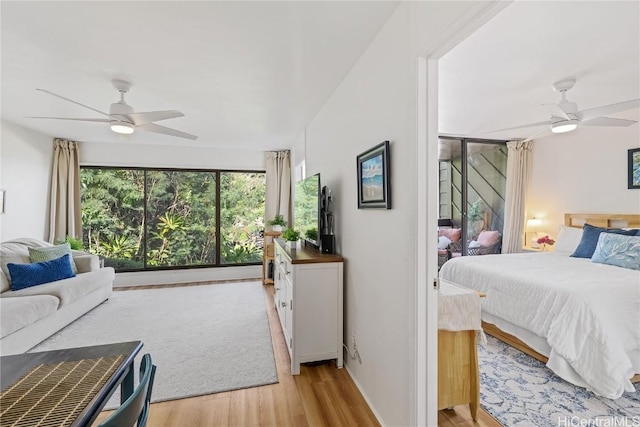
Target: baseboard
364 395
183 284
164 277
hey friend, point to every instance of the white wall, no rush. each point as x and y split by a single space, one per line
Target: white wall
25 164
377 102
584 171
141 155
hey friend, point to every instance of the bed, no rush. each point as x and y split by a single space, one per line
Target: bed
582 318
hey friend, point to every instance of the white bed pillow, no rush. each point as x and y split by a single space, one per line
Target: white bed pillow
568 239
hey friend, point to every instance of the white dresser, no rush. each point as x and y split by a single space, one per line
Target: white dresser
308 297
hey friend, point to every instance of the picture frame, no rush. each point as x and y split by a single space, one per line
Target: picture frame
634 168
374 178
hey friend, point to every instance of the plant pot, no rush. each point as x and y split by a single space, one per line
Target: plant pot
292 244
277 228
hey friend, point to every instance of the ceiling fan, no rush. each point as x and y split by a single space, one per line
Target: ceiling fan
123 120
566 117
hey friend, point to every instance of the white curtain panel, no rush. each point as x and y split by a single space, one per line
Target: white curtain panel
64 208
518 175
278 185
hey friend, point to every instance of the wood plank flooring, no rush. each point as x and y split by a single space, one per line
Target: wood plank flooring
320 396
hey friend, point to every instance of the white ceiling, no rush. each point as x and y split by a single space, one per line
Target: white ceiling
499 76
251 75
247 75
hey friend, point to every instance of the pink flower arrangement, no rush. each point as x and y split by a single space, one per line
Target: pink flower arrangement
546 240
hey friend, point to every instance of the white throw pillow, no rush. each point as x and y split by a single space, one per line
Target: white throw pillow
568 239
443 242
473 244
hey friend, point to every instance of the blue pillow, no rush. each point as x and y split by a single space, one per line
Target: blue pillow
619 250
589 241
27 275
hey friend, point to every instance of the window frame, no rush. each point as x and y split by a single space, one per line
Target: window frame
218 244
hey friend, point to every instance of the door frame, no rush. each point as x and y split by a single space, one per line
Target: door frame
426 384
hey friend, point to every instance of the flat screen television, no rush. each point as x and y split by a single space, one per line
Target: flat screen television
306 208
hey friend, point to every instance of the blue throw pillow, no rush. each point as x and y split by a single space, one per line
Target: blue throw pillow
37 273
619 250
589 241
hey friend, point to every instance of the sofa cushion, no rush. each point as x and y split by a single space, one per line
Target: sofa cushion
488 238
68 290
86 262
17 252
452 234
37 273
16 313
51 253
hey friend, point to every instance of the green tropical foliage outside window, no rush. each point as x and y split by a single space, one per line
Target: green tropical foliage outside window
178 228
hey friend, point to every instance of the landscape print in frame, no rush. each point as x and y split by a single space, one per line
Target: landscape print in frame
374 190
634 168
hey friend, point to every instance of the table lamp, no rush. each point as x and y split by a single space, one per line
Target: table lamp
533 227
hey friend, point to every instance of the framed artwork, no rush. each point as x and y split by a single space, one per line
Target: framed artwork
634 168
374 189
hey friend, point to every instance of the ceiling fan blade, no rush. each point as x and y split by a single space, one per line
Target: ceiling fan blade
538 134
605 110
557 111
67 118
608 121
152 127
71 100
530 125
153 116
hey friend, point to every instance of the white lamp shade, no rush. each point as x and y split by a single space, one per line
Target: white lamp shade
533 224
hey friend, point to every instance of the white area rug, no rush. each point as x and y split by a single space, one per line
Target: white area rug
519 390
203 339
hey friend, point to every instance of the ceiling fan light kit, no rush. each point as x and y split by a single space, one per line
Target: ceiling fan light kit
564 126
122 128
122 118
565 116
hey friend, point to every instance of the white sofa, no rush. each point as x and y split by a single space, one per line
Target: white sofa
28 316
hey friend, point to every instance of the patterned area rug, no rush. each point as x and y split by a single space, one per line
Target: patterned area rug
519 390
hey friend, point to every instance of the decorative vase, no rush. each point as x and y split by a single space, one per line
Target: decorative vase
292 244
277 228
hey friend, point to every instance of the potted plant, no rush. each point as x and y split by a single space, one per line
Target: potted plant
291 237
277 223
73 242
312 234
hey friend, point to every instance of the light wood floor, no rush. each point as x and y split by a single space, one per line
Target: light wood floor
320 396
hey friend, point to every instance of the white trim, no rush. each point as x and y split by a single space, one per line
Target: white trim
478 15
164 277
424 388
426 384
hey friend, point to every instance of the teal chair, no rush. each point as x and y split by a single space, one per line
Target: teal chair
136 407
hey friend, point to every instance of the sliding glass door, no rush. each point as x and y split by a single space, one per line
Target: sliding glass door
472 188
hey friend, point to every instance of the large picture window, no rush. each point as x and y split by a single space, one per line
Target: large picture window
147 219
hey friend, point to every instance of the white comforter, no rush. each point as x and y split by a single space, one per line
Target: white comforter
589 313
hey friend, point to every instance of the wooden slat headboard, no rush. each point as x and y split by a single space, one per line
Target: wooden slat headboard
602 220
